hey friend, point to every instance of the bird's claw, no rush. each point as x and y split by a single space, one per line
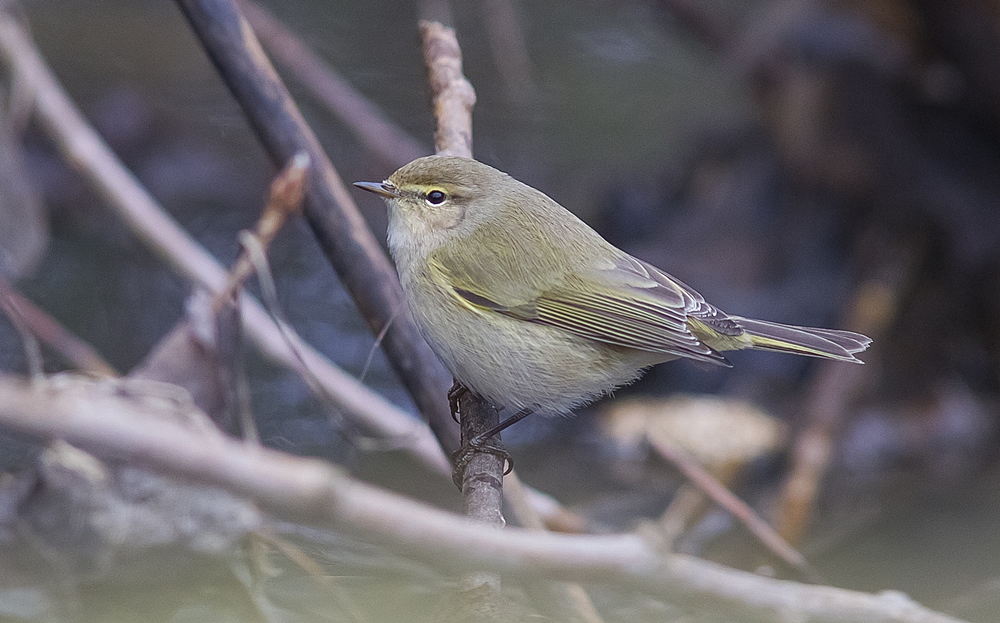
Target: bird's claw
463 456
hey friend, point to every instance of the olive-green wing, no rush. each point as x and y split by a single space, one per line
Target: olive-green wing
628 303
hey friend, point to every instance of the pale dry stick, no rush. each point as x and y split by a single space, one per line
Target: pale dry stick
453 98
688 501
316 492
390 142
84 149
452 95
478 473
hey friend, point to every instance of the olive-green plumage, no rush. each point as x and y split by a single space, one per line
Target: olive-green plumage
531 308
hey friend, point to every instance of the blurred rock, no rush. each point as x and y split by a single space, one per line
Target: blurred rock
721 434
94 519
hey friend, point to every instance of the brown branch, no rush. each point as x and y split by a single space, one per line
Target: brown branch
482 476
871 311
330 211
718 493
82 147
390 142
314 491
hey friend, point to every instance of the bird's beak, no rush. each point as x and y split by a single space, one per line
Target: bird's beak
385 189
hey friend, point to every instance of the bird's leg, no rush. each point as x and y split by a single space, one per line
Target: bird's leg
454 395
480 443
475 415
480 440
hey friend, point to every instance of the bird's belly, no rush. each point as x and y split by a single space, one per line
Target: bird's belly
519 364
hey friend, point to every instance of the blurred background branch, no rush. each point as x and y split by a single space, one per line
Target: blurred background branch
141 212
317 493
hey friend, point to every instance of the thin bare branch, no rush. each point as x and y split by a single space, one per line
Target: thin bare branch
340 230
479 472
482 479
453 95
284 200
482 476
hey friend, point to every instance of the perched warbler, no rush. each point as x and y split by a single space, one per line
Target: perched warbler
533 310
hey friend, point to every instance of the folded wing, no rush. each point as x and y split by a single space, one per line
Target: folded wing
629 304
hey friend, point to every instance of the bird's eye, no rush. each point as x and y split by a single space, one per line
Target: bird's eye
436 197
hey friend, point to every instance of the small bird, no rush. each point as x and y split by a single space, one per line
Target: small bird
533 310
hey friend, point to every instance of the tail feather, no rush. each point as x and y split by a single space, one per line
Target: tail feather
809 341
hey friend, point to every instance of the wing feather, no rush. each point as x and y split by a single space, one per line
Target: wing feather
628 304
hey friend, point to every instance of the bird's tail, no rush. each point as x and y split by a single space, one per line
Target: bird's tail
823 343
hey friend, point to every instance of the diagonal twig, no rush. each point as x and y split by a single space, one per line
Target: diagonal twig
330 211
718 493
873 307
